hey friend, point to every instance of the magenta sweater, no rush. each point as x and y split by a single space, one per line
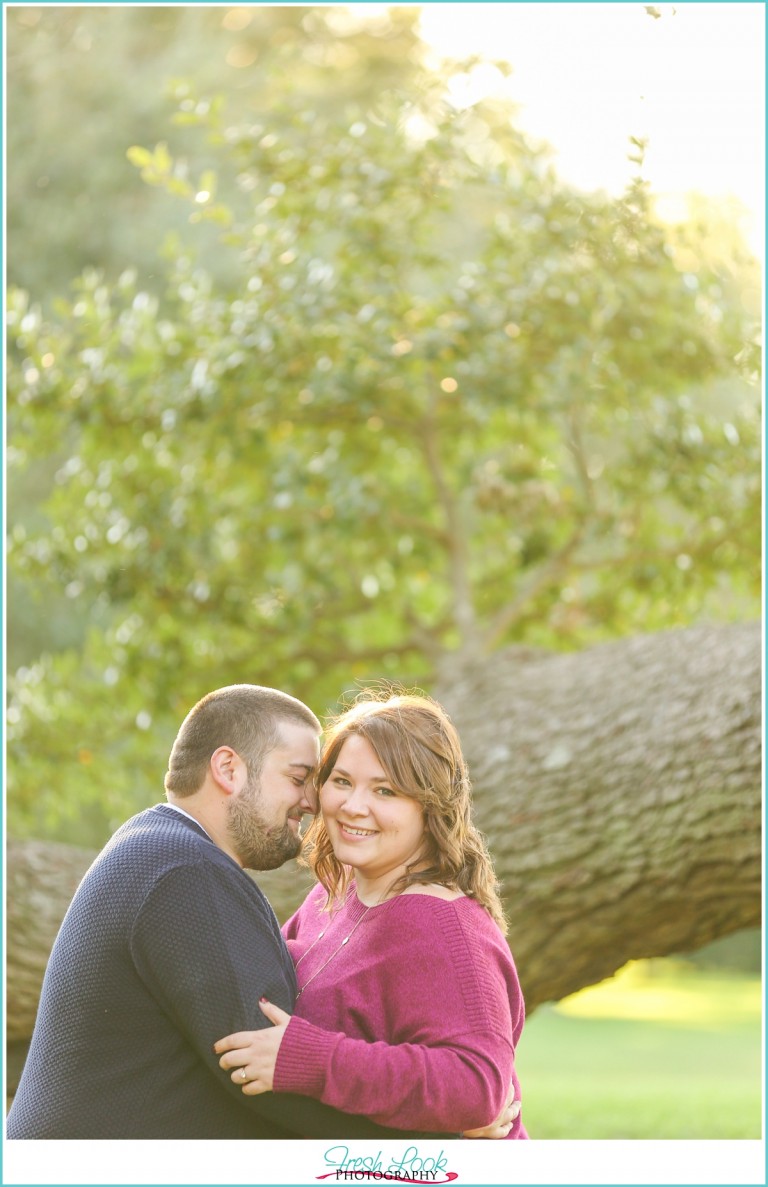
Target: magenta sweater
413 1022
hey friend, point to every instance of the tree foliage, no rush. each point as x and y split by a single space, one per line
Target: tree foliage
441 402
86 81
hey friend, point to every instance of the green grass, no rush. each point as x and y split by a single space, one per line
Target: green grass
662 1050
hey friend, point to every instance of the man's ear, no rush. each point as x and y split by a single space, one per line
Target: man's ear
228 770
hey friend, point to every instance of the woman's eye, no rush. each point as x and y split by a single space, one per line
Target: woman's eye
385 791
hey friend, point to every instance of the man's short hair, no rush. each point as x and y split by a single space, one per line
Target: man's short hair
243 716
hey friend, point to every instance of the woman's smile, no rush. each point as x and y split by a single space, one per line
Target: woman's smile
361 833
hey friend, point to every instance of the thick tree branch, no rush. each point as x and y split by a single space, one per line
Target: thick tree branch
550 573
620 789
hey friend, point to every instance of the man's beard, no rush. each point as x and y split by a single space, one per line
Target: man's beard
258 845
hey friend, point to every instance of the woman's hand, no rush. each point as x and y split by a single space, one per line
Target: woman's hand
253 1053
503 1123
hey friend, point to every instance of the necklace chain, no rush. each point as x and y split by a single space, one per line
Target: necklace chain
336 951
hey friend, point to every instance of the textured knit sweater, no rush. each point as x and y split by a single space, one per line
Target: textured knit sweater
414 1021
167 946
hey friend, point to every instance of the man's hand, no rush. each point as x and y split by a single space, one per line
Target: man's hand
253 1053
503 1123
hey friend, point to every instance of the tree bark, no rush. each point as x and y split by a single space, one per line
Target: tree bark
42 876
620 792
619 789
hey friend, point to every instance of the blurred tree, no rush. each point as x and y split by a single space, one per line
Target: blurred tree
85 81
741 952
104 71
446 404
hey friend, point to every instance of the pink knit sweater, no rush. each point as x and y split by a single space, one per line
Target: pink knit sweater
413 1022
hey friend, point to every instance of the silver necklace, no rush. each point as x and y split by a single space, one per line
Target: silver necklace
336 951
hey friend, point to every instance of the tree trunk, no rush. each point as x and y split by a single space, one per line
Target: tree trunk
619 789
42 876
620 792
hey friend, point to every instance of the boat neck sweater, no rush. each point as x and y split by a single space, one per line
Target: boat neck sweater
413 1021
166 947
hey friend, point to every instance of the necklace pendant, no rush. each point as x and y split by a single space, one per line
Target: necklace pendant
345 940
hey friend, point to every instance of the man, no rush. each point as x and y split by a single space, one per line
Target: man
168 945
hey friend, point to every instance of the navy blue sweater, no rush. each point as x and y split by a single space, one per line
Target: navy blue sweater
167 946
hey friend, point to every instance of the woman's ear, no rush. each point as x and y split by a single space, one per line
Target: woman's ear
228 770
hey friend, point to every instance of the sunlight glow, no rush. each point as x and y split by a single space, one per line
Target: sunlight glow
588 76
647 991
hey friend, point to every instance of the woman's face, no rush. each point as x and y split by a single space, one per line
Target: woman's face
372 826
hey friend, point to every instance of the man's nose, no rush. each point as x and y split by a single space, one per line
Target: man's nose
309 800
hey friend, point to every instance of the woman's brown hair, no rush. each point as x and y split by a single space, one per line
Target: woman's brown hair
419 750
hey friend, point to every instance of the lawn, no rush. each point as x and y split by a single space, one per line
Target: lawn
661 1050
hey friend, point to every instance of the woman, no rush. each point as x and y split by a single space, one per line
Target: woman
409 1007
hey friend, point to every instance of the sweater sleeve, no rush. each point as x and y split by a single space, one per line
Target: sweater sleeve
460 1085
448 1059
207 955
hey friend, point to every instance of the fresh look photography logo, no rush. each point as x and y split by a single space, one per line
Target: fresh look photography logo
412 1167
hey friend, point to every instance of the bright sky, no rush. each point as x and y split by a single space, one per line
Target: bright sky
587 76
